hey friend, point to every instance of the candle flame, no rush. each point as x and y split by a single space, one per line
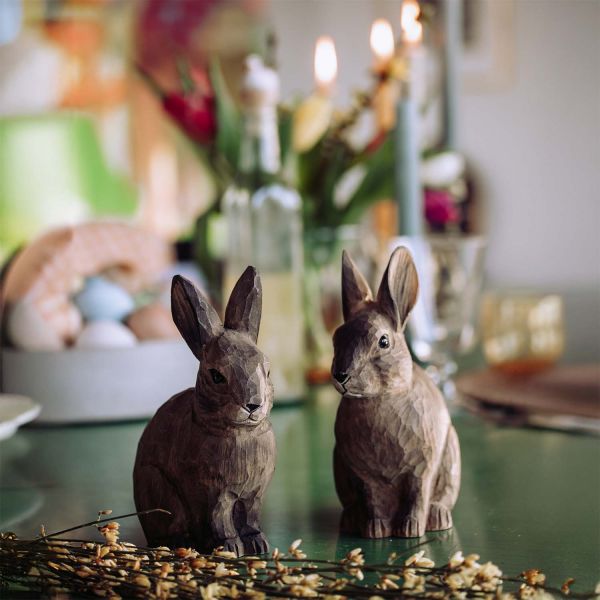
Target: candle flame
412 29
325 62
382 39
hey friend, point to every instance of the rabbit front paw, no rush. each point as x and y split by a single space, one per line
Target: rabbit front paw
410 527
234 545
439 518
256 543
377 528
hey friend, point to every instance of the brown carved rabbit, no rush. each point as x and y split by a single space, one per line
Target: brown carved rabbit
208 454
397 458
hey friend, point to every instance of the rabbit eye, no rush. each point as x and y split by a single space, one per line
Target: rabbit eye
216 376
384 341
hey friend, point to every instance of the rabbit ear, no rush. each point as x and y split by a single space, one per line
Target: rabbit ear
355 289
244 308
399 287
197 321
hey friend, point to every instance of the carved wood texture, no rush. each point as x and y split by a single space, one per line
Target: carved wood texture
208 454
397 456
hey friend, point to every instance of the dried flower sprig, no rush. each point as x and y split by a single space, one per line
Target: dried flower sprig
115 569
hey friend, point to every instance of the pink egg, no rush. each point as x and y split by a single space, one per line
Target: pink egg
152 321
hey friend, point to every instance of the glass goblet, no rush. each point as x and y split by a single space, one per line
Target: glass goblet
442 325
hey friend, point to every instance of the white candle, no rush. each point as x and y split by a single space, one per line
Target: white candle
313 117
384 98
325 65
412 48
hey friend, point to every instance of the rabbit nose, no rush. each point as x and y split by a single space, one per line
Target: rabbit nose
341 376
252 407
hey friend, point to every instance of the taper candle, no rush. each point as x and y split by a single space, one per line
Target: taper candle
452 28
313 117
409 193
325 65
386 93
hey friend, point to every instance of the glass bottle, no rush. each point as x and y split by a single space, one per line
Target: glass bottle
265 229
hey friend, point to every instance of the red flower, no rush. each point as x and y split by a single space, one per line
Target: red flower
374 144
440 208
195 114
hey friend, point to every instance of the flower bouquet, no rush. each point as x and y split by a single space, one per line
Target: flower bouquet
340 161
339 166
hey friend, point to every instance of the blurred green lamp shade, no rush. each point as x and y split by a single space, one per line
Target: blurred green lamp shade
53 172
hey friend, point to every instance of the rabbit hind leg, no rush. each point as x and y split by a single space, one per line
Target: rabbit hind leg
153 490
446 487
354 514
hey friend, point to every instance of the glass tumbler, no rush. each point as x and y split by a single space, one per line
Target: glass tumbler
522 332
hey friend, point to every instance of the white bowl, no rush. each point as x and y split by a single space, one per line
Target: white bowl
91 385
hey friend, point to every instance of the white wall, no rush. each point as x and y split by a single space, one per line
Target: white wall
534 146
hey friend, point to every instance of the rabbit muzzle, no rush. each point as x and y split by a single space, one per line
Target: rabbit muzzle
351 383
256 399
347 373
254 412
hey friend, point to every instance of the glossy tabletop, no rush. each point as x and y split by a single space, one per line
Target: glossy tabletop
529 498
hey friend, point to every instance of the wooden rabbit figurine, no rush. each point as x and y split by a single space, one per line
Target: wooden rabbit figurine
397 458
208 454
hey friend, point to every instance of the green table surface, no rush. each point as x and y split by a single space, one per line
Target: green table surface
529 498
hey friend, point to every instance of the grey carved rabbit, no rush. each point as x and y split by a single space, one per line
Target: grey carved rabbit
397 457
208 454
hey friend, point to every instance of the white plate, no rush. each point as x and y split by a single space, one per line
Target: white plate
15 411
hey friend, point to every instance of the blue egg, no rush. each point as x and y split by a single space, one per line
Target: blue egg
101 299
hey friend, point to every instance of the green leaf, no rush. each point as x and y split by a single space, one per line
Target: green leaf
378 183
339 163
228 118
285 121
318 172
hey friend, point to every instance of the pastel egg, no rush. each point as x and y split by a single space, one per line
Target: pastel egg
105 334
103 300
27 329
152 321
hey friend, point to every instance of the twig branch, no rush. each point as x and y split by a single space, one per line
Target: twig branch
98 521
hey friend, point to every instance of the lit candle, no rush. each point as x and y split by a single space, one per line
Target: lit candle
412 29
325 65
382 44
313 116
409 193
412 49
385 95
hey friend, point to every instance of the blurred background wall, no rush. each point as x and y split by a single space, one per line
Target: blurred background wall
531 136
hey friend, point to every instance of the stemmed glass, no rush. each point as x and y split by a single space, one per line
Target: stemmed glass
442 325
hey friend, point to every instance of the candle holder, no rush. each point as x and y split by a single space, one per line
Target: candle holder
443 322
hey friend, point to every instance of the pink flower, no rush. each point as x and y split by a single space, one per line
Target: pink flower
440 208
